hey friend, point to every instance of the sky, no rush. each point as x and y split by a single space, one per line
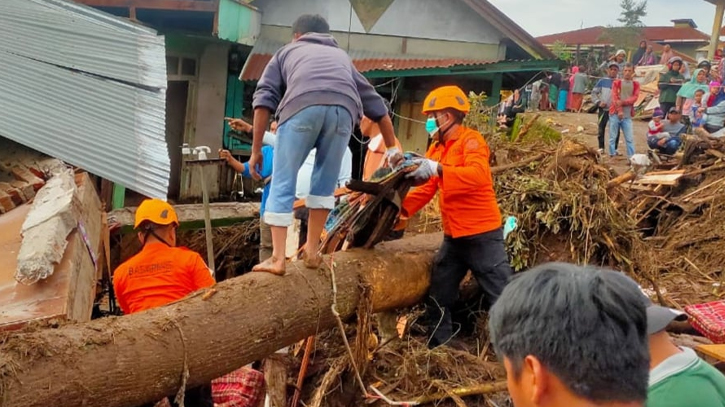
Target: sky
543 17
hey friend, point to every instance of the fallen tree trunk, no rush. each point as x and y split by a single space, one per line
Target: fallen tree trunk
140 358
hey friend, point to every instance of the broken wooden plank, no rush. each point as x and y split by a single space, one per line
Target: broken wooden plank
192 216
668 172
69 292
669 178
626 177
716 352
715 153
704 170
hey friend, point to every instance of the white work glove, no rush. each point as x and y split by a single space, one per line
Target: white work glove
426 170
393 157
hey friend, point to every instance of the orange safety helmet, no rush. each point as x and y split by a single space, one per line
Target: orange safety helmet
157 212
446 97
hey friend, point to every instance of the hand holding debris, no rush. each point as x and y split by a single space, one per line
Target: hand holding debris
426 170
393 157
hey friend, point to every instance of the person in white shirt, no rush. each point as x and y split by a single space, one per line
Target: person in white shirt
305 173
303 187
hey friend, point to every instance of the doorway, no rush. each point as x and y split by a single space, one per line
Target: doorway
177 96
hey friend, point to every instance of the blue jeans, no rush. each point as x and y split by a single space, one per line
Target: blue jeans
326 128
615 123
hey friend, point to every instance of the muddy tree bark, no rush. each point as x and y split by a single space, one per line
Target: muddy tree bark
140 358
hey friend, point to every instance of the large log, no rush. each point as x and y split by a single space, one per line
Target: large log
140 358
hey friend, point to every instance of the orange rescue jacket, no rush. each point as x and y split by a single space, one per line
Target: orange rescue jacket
158 275
467 199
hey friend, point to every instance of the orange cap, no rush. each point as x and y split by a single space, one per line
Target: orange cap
155 211
446 97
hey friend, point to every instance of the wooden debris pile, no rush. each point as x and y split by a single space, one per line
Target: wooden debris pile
681 212
565 210
403 371
236 248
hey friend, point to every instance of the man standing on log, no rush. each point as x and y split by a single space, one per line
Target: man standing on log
318 97
457 165
161 273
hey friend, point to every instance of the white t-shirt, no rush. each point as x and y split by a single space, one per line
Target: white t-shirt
304 176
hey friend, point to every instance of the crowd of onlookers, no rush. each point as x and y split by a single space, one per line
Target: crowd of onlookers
690 100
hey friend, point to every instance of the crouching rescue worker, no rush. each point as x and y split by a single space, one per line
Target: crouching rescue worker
457 165
161 273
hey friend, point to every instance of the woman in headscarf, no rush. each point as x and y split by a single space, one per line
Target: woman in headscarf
640 52
687 91
648 58
713 110
667 54
686 94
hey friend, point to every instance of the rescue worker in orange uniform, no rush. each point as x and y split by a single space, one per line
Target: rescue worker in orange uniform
161 273
457 166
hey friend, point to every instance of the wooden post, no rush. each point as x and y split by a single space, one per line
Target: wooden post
716 27
119 196
496 84
275 379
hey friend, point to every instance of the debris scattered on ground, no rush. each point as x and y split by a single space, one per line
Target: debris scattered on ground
236 248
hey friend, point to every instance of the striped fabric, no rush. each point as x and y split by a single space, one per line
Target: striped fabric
241 388
708 319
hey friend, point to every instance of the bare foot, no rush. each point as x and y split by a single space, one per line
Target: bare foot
312 261
271 265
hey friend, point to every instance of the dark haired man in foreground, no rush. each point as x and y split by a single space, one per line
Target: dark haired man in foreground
572 336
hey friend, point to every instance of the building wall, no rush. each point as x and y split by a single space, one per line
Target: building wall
430 19
401 45
687 49
211 99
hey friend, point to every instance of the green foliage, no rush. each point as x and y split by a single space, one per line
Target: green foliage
559 49
632 13
627 38
539 131
480 117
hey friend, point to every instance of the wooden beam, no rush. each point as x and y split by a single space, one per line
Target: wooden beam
192 216
716 27
184 5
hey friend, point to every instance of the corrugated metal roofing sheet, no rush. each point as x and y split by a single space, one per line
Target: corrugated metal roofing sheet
85 87
364 61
